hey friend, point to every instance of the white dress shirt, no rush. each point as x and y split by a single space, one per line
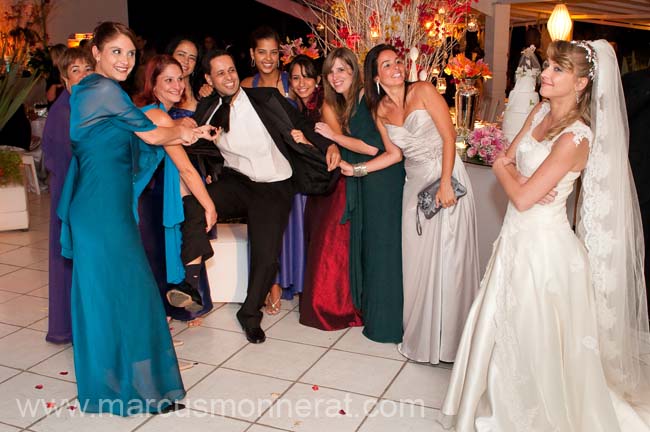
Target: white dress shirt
248 147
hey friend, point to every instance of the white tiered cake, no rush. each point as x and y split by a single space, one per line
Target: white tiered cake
523 97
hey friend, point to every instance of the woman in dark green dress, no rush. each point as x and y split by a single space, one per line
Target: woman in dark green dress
373 202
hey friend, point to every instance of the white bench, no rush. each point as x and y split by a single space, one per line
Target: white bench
228 268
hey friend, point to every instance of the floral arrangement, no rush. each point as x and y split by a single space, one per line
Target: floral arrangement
296 47
460 67
484 144
430 26
11 168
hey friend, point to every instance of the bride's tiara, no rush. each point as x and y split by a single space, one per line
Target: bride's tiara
590 55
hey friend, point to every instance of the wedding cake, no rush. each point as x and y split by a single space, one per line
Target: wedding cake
523 97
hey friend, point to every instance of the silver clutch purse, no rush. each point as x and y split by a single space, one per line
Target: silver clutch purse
427 200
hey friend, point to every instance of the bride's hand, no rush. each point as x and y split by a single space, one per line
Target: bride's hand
503 161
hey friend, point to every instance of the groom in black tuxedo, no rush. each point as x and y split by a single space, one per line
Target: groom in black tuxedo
260 167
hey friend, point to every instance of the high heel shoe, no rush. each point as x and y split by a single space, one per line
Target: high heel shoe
185 296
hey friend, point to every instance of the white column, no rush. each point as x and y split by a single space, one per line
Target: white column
497 43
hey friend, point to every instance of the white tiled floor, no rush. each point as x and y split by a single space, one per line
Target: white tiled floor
300 379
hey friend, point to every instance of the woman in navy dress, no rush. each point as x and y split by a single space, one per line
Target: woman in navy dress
74 65
156 219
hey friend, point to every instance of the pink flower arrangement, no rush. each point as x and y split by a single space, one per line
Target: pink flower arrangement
486 143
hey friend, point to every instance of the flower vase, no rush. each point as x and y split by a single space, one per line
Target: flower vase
466 104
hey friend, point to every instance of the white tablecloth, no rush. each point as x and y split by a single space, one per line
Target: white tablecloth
491 203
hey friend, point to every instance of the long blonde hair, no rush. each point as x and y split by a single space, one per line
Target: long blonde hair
574 58
344 108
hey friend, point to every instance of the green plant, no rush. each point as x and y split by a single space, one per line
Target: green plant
11 168
23 51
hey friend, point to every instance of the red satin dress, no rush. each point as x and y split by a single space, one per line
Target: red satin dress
326 302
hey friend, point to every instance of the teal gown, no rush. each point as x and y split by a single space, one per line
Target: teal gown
125 362
374 208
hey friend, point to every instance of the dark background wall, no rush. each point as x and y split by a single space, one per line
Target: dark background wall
230 22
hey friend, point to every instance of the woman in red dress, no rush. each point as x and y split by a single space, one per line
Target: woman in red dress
326 302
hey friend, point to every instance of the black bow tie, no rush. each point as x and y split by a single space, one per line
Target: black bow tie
221 117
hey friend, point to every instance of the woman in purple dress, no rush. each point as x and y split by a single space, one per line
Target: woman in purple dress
74 64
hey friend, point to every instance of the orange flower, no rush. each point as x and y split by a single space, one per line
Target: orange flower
460 67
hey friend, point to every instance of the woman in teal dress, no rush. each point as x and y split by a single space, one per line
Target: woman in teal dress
124 359
373 203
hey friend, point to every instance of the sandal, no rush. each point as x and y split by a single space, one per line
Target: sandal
185 365
196 322
273 307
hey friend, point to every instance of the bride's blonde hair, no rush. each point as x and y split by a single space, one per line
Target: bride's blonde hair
574 58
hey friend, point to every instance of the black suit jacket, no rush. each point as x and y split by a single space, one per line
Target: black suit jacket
279 117
636 86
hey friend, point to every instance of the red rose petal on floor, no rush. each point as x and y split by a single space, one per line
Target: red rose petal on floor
314 387
342 412
171 328
38 386
50 404
72 407
63 373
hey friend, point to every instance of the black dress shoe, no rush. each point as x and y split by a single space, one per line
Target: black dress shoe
254 335
185 296
174 406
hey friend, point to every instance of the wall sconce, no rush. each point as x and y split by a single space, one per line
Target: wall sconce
374 34
559 23
472 23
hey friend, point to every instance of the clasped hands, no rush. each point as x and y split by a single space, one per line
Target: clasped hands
191 135
502 161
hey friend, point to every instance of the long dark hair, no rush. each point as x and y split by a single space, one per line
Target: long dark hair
308 69
344 108
153 69
196 77
370 71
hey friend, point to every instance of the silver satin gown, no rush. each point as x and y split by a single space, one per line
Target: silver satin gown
440 267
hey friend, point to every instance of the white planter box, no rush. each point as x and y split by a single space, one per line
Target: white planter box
228 268
13 208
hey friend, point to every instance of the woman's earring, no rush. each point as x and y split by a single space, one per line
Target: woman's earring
252 62
577 98
378 88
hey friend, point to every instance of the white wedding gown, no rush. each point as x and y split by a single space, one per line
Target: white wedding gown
440 267
529 355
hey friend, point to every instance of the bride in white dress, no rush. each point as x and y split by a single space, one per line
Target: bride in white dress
440 257
557 339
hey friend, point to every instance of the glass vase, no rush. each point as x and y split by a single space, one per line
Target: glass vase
466 105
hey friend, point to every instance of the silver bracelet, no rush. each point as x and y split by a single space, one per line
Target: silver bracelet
359 170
